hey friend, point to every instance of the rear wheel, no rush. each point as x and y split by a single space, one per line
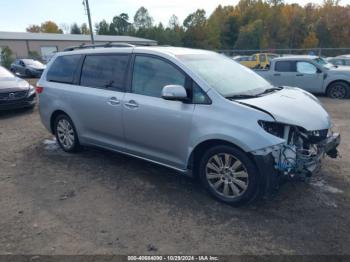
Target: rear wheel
66 134
338 90
229 175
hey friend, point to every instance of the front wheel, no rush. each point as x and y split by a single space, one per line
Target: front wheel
338 90
229 175
66 134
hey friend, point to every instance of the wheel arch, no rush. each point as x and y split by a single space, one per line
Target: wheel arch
335 81
53 117
201 147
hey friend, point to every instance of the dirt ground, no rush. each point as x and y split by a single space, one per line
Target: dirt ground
99 202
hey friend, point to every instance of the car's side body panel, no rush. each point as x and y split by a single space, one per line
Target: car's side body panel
165 131
315 83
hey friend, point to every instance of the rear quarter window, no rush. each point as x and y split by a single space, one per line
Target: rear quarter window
285 66
63 69
105 71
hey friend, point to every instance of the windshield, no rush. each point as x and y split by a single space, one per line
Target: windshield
31 62
4 73
225 75
323 62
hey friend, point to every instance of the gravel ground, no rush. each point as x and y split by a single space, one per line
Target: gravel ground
99 202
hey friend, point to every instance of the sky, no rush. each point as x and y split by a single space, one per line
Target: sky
16 15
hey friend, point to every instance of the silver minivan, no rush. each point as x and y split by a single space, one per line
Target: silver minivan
194 111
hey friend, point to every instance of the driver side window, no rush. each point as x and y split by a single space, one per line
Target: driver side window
152 74
306 68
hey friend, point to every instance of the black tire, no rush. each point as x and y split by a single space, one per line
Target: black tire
75 145
338 90
249 194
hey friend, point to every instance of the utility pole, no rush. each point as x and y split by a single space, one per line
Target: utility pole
86 4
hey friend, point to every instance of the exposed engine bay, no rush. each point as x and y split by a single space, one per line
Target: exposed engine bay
301 153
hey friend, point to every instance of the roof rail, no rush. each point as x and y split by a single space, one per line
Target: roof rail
106 45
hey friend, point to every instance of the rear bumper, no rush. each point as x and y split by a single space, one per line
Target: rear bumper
21 103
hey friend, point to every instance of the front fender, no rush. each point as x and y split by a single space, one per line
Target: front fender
331 79
230 122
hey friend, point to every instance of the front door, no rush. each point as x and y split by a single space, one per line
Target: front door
308 77
155 128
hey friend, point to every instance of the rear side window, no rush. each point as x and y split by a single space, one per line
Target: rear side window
262 58
63 69
104 71
285 66
152 74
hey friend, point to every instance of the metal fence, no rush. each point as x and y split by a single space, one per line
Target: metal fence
324 52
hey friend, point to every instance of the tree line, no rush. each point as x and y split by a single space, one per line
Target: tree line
251 24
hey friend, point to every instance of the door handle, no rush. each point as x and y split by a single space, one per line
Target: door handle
277 74
131 104
300 75
113 101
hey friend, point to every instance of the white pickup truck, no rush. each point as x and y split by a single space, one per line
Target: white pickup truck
310 73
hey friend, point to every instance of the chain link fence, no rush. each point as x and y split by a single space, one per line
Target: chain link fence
324 52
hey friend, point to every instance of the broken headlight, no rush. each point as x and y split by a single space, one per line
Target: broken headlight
274 128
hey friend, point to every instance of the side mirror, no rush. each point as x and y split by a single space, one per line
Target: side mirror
174 92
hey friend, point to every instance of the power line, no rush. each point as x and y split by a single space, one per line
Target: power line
87 8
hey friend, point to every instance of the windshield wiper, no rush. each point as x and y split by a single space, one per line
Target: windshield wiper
241 96
270 90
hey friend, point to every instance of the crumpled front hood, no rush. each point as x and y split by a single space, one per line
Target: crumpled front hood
293 106
12 84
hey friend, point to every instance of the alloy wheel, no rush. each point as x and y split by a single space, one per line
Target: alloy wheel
65 134
227 175
338 91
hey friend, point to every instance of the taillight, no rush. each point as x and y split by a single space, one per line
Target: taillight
39 89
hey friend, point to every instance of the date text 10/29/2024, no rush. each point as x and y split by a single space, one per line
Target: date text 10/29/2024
173 258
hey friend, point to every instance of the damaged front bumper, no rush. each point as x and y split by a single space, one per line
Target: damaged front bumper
297 160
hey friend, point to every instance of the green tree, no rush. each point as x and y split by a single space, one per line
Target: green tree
142 19
121 24
195 34
102 28
33 29
251 36
84 29
296 27
6 57
173 22
75 29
